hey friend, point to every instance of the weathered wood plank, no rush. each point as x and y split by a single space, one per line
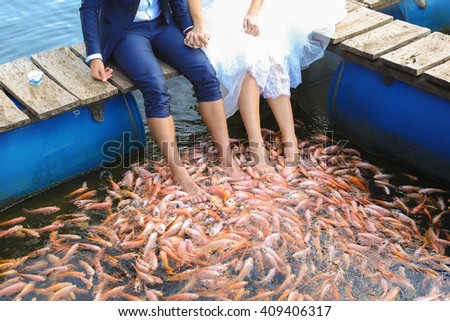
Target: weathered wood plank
79 49
378 4
352 5
47 99
10 115
372 3
357 22
421 55
439 74
377 42
72 73
118 79
378 66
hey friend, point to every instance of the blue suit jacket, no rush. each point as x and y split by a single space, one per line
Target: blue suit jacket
104 22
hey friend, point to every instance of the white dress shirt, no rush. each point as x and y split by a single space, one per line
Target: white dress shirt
147 11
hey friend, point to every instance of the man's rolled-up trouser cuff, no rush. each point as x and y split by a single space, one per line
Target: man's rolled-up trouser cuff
208 93
160 110
157 114
209 98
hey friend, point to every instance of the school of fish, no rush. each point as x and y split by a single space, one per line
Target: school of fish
307 232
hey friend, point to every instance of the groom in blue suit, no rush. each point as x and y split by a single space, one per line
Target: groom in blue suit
134 33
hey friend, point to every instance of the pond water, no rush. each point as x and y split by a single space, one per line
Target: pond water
31 27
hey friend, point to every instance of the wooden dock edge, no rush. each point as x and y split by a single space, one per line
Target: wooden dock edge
378 66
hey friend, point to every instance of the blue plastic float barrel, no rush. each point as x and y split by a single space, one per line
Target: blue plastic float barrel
391 119
44 153
320 70
432 14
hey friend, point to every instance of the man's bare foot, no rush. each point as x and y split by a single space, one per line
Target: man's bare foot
234 171
196 194
261 159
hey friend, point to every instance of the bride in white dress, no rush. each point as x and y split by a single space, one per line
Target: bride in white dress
261 47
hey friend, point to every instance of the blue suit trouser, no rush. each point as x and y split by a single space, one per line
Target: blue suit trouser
136 55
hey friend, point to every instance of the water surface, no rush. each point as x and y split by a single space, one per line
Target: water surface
29 27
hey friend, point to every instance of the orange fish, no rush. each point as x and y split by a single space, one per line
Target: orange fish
219 191
114 185
99 206
86 195
26 289
14 288
13 221
37 278
165 262
11 231
79 191
63 293
49 228
182 297
42 210
111 293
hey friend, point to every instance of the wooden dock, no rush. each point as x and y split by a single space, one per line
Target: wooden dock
400 50
66 86
397 49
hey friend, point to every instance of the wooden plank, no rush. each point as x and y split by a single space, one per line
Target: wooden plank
378 66
373 3
377 42
439 74
352 5
72 73
47 99
421 55
357 22
79 49
119 79
378 4
10 115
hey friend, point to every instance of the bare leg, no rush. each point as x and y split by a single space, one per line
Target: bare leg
249 108
163 131
213 115
282 109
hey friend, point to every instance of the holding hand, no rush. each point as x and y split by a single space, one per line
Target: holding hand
251 25
98 70
197 37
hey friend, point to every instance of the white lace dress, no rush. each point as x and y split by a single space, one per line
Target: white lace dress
293 34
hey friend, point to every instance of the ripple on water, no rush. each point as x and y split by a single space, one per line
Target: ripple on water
30 27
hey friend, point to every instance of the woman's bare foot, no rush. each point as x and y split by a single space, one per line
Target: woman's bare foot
291 152
261 159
